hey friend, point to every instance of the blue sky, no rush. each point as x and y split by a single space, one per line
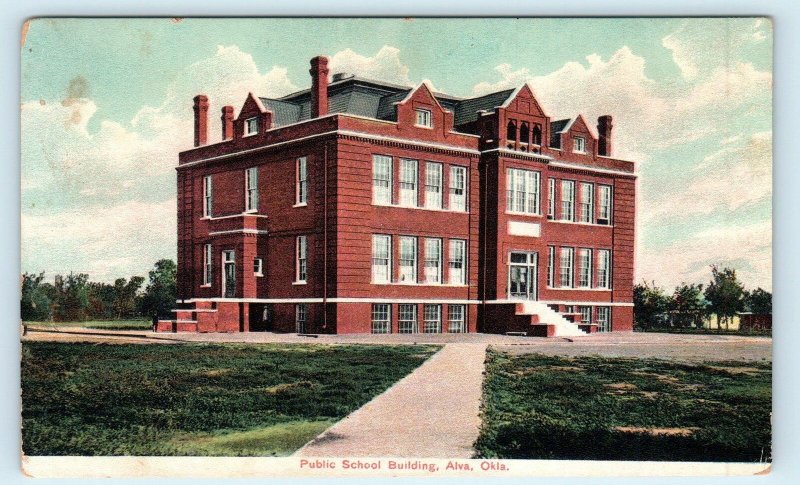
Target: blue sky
106 107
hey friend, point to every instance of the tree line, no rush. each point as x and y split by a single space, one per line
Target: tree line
690 305
73 297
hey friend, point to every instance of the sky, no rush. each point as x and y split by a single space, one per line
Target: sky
106 106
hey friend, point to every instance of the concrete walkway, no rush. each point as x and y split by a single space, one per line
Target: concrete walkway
431 413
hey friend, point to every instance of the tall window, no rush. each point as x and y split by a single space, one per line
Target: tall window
586 315
587 203
433 260
302 180
300 315
579 144
258 267
458 261
551 198
433 185
208 265
433 319
408 259
456 321
382 179
567 200
408 182
551 266
381 318
208 201
603 319
423 118
301 259
458 189
381 258
250 126
604 216
522 190
585 273
567 259
407 321
251 187
604 268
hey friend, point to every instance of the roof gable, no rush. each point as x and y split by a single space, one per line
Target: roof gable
522 100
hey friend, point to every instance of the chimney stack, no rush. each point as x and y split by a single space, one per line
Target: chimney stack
200 120
319 86
227 122
604 125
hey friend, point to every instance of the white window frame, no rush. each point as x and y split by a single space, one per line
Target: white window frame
208 264
382 187
568 200
585 268
301 182
432 318
551 198
586 314
251 189
433 185
407 318
381 261
409 182
567 267
551 266
258 267
522 191
457 256
408 272
300 317
604 319
423 118
381 318
606 201
433 266
604 269
251 126
301 266
458 189
208 196
578 144
456 318
586 211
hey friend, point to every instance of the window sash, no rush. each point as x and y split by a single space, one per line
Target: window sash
409 176
251 189
586 314
433 185
432 319
604 268
382 179
251 126
381 318
258 266
579 144
585 276
551 269
423 118
381 258
604 319
408 259
567 259
457 264
587 203
551 198
605 203
456 321
208 191
433 260
458 189
208 264
302 180
300 314
567 200
407 318
522 191
301 259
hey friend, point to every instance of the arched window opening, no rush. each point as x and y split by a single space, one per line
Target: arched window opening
524 133
511 133
537 134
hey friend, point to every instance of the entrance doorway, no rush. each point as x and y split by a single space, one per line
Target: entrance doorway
523 275
228 274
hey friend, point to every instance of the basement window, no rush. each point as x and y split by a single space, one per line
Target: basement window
251 126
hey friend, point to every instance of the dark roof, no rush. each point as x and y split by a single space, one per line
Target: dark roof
467 110
283 113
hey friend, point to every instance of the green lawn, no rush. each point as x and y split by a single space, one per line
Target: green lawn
539 407
99 324
196 399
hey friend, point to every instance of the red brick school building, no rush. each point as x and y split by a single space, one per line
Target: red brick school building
359 206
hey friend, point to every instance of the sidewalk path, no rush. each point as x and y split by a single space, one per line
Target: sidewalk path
431 413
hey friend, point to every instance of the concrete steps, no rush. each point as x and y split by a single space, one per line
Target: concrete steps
543 315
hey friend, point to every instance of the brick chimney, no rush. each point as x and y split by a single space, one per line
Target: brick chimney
319 86
227 122
604 125
200 120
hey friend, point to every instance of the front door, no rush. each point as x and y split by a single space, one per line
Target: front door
228 274
522 275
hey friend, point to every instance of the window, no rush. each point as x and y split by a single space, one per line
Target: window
407 322
458 189
423 118
458 262
251 126
381 179
208 201
604 268
251 189
455 319
567 258
522 189
208 265
408 183
551 198
579 144
301 259
537 134
551 268
511 131
302 181
586 315
381 318
381 258
300 314
567 200
603 319
433 185
433 260
408 259
524 133
587 203
258 267
585 272
604 217
433 319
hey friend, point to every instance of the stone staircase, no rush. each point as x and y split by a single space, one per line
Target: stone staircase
550 323
202 318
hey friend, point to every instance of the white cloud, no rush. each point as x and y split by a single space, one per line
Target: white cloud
385 65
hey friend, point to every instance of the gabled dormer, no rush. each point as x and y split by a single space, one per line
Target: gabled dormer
574 137
420 110
254 118
524 124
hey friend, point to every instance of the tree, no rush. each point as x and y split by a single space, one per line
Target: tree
758 301
725 294
159 296
687 305
101 300
72 297
37 298
125 293
649 305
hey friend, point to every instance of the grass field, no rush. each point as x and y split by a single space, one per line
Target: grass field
99 324
597 408
195 399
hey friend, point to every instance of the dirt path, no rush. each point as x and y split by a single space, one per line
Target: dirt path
432 412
